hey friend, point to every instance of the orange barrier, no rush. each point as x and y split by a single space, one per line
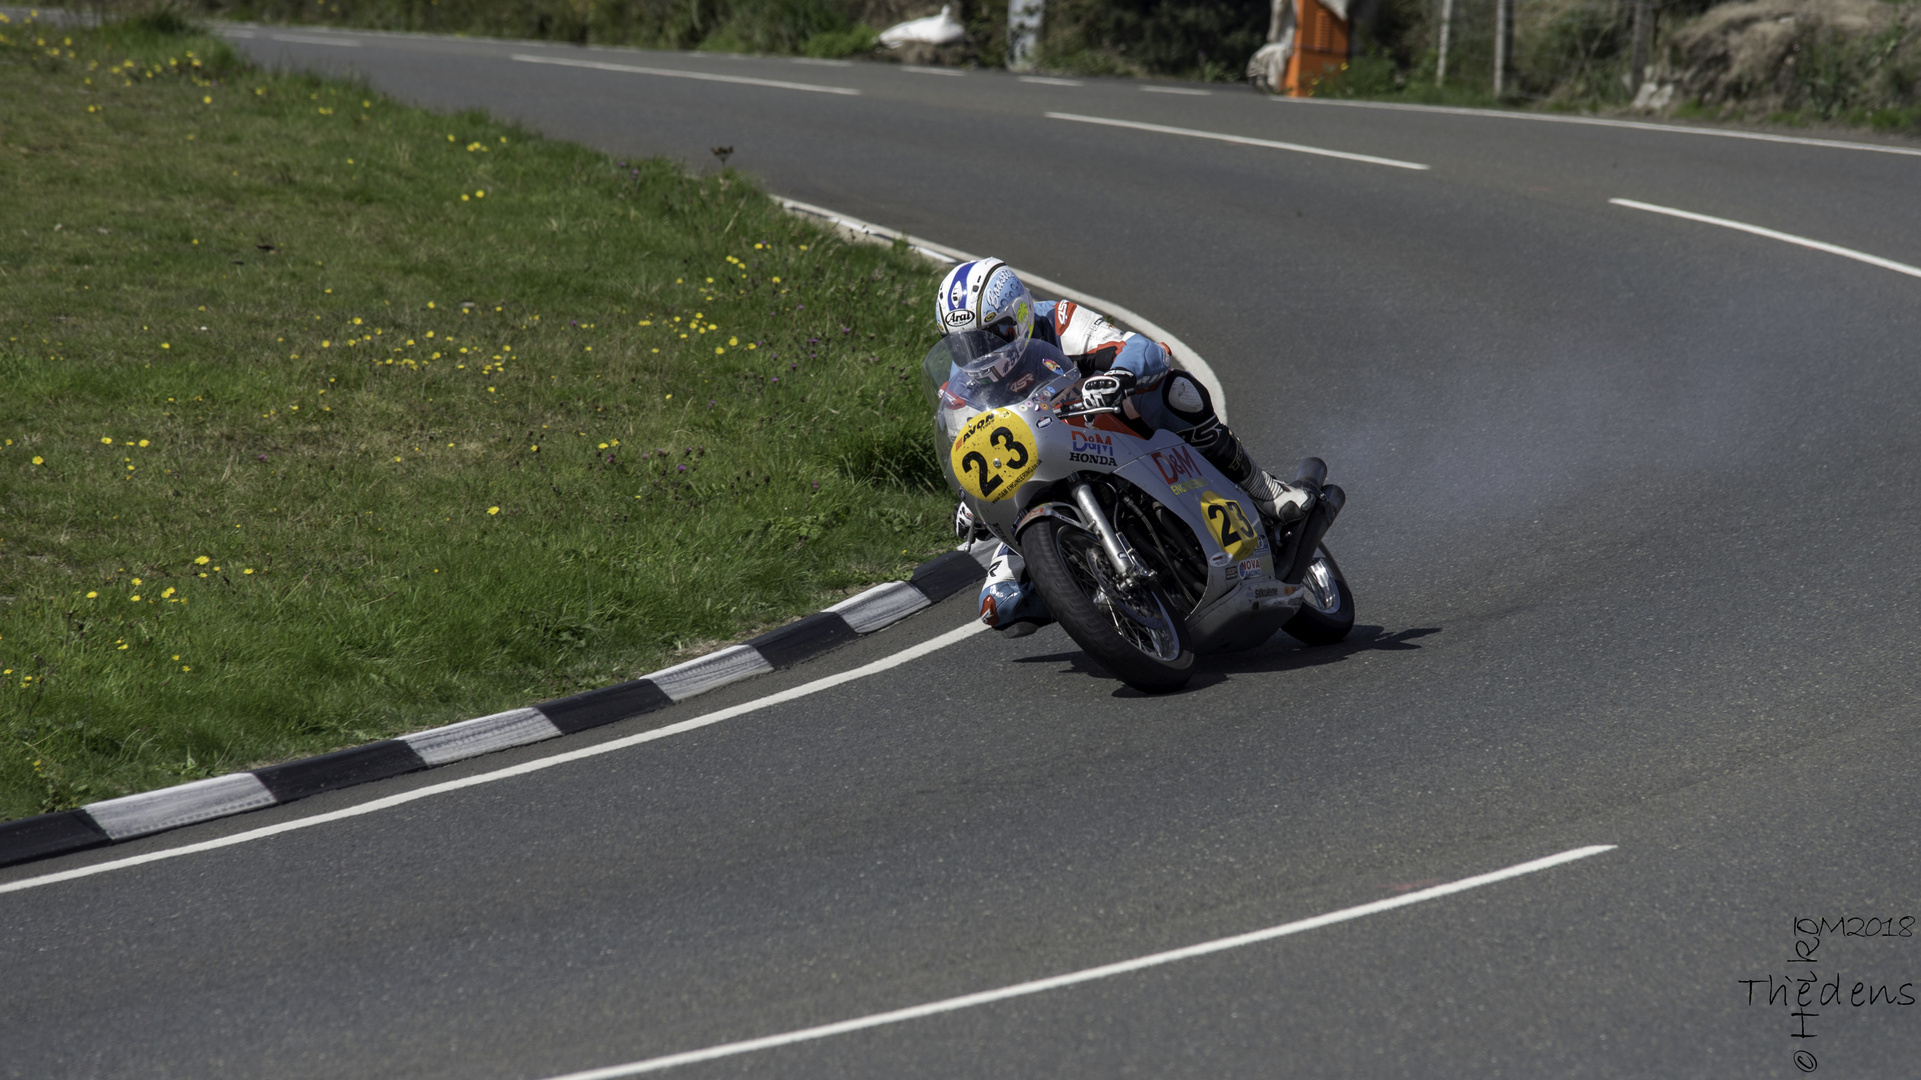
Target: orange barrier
1320 43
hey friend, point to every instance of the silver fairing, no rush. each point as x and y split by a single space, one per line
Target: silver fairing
1243 603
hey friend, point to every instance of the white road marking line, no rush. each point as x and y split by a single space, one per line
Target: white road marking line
887 663
1240 139
298 39
987 997
671 73
822 63
919 70
1042 80
1184 355
1175 90
1832 249
1595 121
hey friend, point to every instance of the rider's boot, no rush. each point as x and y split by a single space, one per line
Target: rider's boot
1009 602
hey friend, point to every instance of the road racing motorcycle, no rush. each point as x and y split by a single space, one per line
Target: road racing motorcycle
1144 552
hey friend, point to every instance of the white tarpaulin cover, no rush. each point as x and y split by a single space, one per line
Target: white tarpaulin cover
942 29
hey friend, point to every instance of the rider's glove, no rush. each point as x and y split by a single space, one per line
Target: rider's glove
1106 391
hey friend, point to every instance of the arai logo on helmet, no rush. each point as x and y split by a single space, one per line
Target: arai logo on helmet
958 320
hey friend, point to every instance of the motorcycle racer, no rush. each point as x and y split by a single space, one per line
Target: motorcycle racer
986 303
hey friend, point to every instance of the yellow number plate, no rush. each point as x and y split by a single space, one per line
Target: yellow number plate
994 454
1229 523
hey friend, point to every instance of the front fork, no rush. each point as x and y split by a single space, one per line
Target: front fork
1126 564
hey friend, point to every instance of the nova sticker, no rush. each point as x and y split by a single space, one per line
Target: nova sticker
1251 569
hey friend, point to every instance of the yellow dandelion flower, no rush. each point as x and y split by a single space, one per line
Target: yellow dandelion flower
733 341
176 656
38 460
105 441
168 591
91 595
202 561
248 570
136 598
493 509
183 667
137 581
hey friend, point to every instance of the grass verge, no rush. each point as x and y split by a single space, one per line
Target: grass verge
327 419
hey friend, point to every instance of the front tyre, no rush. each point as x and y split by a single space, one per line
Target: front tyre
1327 605
1134 632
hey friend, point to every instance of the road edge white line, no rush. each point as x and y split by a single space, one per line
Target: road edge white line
1184 354
907 655
671 73
986 997
1242 140
1600 121
1771 234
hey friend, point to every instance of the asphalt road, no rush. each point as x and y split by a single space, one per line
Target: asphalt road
1635 527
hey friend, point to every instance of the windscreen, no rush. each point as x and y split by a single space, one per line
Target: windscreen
984 376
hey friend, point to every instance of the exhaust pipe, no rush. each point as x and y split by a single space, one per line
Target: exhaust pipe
1309 532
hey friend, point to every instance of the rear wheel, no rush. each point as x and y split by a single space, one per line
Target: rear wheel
1327 605
1133 631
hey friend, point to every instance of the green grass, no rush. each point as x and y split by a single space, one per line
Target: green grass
327 419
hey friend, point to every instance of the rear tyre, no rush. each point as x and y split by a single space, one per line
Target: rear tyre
1327 605
1136 633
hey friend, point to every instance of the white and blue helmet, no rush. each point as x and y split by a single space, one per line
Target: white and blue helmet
985 294
987 320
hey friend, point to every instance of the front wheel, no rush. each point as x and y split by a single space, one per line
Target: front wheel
1134 631
1327 605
